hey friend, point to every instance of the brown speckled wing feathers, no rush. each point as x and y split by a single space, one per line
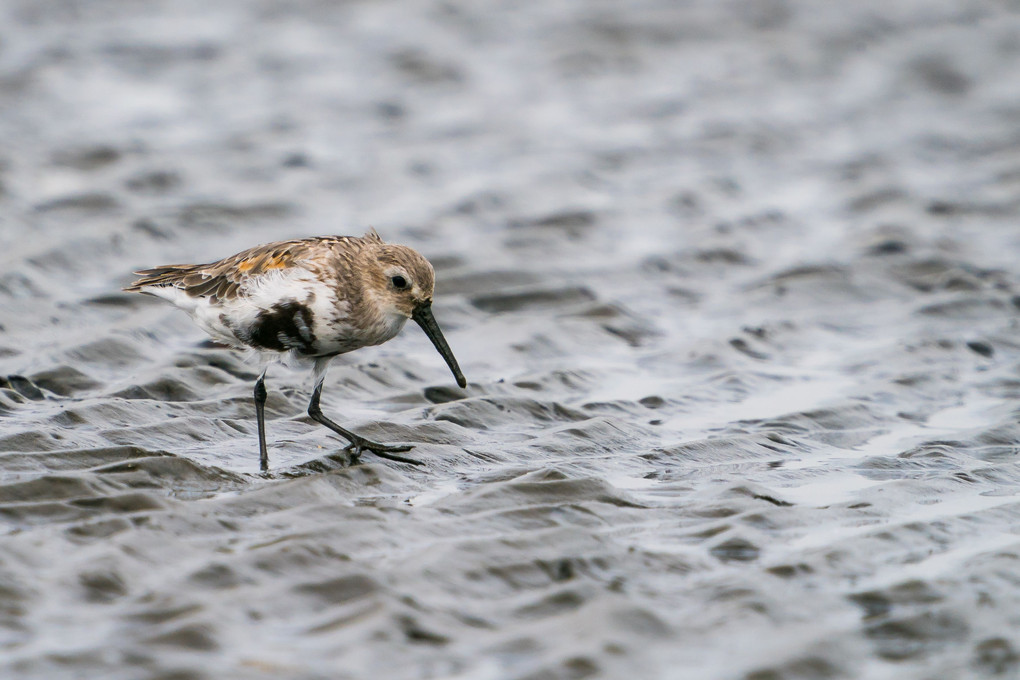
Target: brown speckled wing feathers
223 279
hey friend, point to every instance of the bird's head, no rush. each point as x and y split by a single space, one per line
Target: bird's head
402 280
400 283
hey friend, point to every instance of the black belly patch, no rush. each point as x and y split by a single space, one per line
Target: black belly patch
282 327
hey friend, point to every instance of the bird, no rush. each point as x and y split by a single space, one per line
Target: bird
308 299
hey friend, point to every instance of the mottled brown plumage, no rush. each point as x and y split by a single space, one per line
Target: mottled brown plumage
313 298
223 279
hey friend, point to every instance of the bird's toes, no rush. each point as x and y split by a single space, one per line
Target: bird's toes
375 447
399 448
356 447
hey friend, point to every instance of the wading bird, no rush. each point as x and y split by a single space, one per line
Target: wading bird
312 298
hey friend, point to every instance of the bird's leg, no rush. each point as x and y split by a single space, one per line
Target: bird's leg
357 442
260 416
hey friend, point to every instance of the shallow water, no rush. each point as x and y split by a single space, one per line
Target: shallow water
735 286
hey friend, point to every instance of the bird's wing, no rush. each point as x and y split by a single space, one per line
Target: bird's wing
226 278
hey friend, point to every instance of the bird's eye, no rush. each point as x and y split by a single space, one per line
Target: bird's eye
399 282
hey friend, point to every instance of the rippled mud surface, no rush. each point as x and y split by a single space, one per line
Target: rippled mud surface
735 285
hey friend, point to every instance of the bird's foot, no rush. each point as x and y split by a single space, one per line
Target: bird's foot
359 444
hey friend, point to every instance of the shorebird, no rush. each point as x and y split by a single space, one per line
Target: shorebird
313 299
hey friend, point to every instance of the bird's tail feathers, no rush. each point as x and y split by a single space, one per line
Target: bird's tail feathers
167 275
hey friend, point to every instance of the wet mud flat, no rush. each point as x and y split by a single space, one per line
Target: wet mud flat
735 286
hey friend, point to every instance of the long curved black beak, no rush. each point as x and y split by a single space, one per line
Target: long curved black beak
422 315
